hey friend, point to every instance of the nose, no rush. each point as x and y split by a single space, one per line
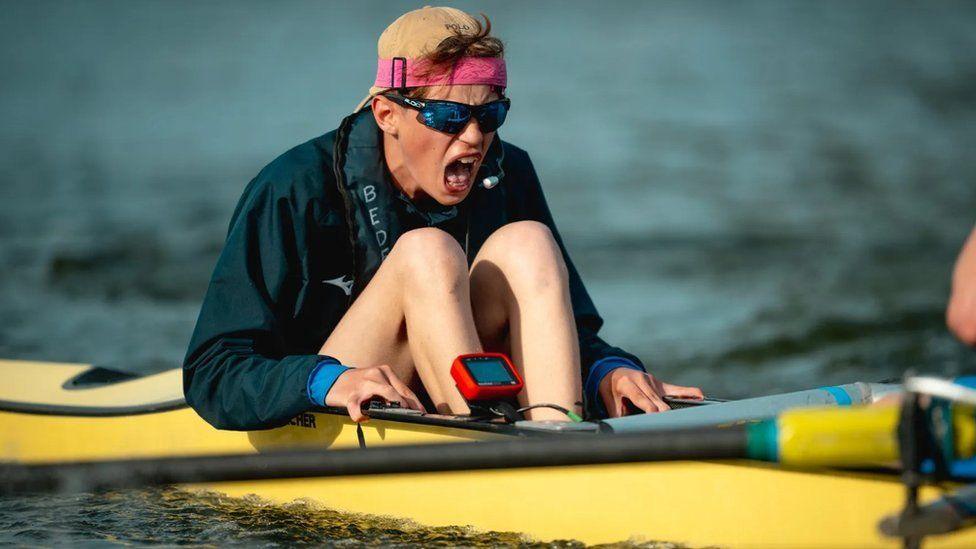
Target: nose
471 134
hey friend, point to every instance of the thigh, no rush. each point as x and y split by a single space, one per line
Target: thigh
373 330
523 254
492 302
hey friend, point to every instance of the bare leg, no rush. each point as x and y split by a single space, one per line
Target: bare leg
520 297
414 315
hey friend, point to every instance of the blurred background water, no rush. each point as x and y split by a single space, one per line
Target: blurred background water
761 196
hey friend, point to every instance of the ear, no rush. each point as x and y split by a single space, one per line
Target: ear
386 113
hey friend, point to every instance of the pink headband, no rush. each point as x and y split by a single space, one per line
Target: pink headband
401 72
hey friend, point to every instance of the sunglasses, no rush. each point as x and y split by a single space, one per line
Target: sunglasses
451 117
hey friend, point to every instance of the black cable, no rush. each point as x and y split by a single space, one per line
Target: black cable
575 418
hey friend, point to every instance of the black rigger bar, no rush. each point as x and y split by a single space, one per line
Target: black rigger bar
685 444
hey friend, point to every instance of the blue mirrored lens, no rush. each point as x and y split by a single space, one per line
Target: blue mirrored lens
446 117
492 116
453 117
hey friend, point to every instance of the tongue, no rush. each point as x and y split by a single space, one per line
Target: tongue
457 173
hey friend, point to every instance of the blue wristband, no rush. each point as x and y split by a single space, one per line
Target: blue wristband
598 371
322 378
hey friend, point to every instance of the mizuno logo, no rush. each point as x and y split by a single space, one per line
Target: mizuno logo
344 282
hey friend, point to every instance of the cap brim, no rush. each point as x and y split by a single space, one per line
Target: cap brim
363 103
375 90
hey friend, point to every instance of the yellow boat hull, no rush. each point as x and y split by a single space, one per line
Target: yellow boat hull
732 504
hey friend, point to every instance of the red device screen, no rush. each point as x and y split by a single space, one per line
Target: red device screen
486 376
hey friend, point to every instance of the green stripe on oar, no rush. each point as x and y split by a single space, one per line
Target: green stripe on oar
763 440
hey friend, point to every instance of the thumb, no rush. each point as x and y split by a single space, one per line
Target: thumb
354 407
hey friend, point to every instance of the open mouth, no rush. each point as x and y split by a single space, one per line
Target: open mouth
459 174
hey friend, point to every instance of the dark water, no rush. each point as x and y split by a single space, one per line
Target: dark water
761 196
174 517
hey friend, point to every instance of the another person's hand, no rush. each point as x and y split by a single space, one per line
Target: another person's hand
643 390
961 316
358 386
961 313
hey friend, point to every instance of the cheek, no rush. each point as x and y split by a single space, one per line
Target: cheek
489 138
427 155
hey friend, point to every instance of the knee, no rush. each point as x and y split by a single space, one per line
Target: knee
430 255
529 253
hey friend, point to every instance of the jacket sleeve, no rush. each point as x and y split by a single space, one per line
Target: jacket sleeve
236 373
588 320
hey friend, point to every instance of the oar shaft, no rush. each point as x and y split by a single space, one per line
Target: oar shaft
752 409
692 444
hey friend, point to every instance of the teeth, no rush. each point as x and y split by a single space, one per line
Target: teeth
467 160
458 174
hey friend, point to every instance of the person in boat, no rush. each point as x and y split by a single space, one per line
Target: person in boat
961 313
358 265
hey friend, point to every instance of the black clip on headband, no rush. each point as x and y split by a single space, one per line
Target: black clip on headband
403 73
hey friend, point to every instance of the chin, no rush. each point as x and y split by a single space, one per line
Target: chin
449 195
451 199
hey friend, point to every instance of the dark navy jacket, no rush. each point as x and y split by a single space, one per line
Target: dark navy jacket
319 216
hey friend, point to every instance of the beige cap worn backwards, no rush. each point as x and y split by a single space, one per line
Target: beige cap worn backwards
412 35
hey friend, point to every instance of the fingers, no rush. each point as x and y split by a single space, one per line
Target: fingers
619 407
632 393
682 392
639 388
386 392
369 390
643 396
408 396
641 401
654 394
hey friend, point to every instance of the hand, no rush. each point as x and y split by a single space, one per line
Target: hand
961 316
358 386
640 388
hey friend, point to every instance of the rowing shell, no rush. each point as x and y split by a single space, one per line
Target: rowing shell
67 413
